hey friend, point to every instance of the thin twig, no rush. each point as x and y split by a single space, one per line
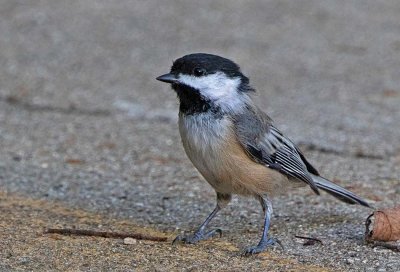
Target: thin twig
106 234
390 246
311 241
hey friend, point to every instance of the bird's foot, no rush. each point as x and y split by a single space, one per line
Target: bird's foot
196 237
263 245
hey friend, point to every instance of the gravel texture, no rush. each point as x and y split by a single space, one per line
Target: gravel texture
88 137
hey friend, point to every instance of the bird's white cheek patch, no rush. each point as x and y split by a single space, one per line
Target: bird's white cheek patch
217 87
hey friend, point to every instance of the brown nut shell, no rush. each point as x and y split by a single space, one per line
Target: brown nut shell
384 225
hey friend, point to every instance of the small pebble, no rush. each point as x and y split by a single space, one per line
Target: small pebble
129 241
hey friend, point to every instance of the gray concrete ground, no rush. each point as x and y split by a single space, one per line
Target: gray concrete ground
89 139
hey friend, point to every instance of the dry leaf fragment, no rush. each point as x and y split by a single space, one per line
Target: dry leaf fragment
74 161
384 225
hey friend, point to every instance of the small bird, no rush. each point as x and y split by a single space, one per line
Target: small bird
234 145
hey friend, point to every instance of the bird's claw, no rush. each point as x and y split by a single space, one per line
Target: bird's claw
196 237
261 247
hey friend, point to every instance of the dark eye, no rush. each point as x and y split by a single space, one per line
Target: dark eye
199 71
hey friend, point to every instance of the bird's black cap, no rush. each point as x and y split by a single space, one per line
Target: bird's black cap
208 62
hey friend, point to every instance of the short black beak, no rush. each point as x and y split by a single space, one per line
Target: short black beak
168 78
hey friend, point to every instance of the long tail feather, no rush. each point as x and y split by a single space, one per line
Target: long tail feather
339 192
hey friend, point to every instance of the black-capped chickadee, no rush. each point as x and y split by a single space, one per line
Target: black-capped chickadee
233 144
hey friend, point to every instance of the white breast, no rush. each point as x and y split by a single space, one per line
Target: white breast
213 149
203 131
203 137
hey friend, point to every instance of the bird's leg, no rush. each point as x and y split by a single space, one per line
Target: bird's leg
200 234
265 241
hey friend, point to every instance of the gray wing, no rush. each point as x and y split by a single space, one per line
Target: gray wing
266 145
